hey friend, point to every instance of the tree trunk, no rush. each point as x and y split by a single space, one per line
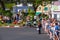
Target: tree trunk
35 7
2 5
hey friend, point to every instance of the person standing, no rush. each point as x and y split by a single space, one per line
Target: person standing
43 23
39 26
17 17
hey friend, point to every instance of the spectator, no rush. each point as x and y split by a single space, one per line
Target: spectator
4 18
43 23
51 30
56 31
39 26
8 20
17 17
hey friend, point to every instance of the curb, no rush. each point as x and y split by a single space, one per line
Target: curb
10 26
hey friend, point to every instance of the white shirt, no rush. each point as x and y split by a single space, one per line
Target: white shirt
34 17
53 28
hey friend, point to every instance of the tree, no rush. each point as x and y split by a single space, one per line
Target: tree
40 2
31 13
7 13
2 4
36 3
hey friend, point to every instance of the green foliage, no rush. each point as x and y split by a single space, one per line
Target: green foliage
0 10
9 5
45 16
31 13
6 13
36 3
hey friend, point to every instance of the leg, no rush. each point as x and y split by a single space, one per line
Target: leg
39 31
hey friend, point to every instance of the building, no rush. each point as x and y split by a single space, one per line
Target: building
21 7
55 10
44 9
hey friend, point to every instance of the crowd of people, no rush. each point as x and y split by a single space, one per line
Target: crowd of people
14 19
51 27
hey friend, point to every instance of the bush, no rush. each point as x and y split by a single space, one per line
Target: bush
6 13
45 16
0 11
31 13
9 5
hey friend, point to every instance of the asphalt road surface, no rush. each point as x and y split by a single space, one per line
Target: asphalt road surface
21 34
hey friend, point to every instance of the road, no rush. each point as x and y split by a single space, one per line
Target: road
25 33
